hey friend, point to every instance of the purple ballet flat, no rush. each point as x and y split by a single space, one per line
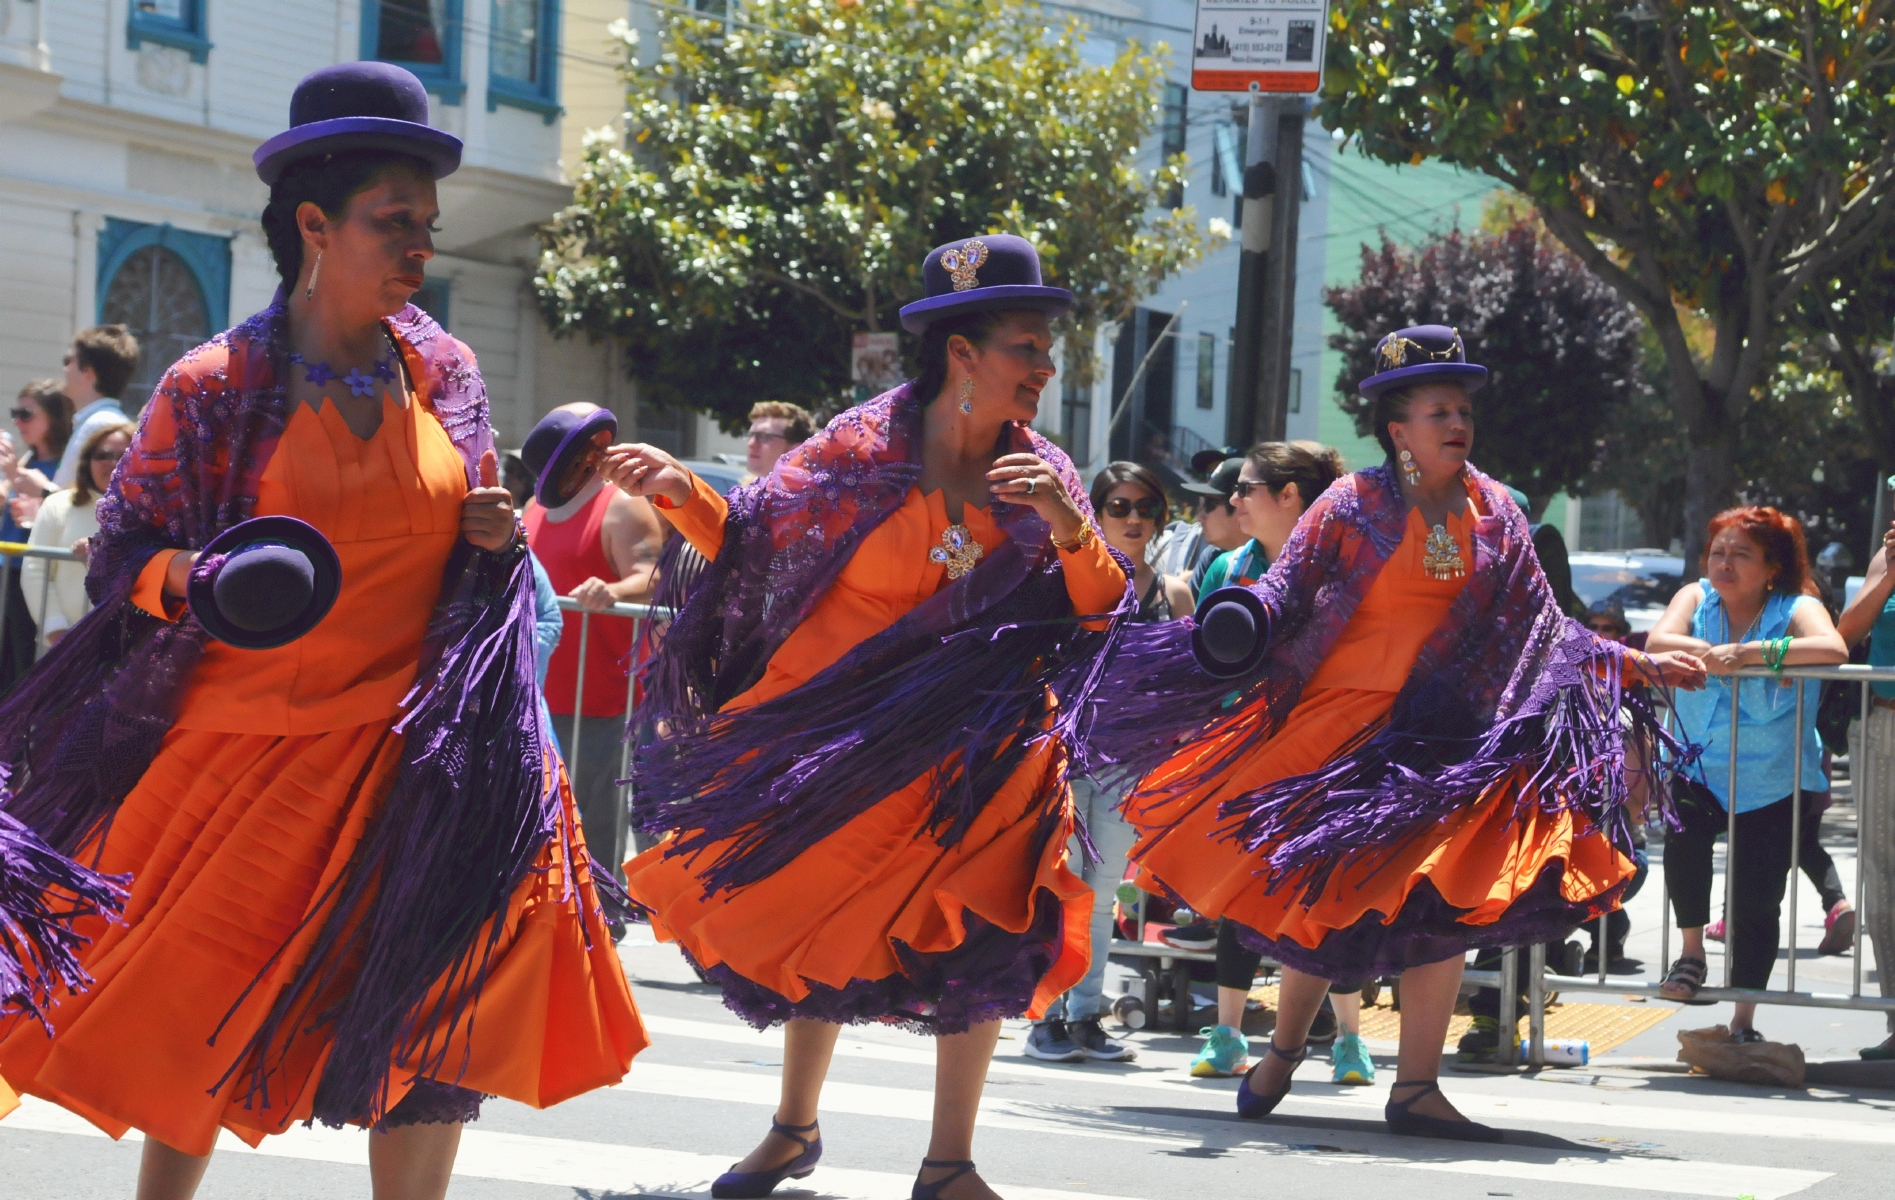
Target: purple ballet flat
932 1191
752 1185
1249 1104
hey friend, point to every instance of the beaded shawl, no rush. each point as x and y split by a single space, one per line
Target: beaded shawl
471 806
1507 682
955 690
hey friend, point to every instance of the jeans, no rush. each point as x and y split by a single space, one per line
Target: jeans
1112 837
595 784
1872 771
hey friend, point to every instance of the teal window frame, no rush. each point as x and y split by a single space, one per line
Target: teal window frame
445 79
205 254
189 32
435 298
541 97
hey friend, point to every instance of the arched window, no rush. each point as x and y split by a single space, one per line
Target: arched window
169 287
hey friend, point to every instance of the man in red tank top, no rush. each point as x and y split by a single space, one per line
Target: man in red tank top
600 549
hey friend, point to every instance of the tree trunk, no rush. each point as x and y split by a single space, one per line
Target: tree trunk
1710 485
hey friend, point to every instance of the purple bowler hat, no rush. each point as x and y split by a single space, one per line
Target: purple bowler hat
565 451
359 106
264 582
1422 354
995 271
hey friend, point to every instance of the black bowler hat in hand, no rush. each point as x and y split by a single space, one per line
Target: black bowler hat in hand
264 582
1231 632
565 451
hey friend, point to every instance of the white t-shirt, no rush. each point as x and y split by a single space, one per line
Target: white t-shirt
85 423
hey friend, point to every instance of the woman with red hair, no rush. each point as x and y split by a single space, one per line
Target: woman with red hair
1755 606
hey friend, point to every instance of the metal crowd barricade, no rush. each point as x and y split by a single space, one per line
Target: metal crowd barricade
1870 846
638 614
9 553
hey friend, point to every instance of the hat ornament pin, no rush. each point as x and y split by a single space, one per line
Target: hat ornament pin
963 264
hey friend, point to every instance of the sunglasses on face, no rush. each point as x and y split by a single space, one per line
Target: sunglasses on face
1213 503
24 414
1243 487
1119 508
106 456
764 435
1605 627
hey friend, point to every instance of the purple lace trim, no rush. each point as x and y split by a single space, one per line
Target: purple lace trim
1428 929
990 976
430 1102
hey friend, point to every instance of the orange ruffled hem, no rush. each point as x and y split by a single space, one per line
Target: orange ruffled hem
231 839
1480 859
836 913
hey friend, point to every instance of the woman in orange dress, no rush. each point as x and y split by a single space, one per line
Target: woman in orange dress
1391 749
863 775
346 848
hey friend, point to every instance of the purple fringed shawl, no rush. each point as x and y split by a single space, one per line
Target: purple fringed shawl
470 809
1506 682
955 690
41 893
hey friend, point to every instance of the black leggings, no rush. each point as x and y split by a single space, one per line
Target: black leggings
1760 872
1815 861
1236 964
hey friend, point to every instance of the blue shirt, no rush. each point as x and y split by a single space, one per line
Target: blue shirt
548 621
1766 714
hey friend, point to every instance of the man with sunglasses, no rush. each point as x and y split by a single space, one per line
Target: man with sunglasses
776 428
99 366
1187 549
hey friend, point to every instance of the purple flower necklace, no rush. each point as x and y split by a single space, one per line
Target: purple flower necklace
360 383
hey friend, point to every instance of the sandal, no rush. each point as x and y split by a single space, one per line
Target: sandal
1413 1124
752 1185
1683 981
932 1191
1249 1104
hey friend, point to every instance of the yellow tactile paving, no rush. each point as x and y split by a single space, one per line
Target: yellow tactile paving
1604 1026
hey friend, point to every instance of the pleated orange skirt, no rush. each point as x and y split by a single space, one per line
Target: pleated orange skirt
839 912
232 840
1480 859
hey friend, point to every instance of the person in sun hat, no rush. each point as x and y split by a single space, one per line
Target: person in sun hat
860 775
311 665
1391 748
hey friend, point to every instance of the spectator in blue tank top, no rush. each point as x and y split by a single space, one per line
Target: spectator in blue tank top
1755 606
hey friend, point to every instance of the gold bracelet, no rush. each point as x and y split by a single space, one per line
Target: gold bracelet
1078 543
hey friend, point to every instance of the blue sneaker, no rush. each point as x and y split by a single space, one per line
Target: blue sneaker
1050 1042
1350 1062
1225 1051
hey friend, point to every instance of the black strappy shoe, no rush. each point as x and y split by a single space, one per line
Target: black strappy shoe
932 1191
753 1185
1413 1124
1683 981
1249 1104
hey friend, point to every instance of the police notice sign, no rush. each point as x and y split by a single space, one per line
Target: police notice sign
1276 45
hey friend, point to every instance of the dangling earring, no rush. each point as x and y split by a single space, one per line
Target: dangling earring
315 272
967 395
1410 471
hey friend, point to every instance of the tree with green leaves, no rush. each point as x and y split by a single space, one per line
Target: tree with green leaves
776 188
1717 155
1561 346
1850 316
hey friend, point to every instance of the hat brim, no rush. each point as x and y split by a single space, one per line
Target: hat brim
1219 668
440 149
1471 376
575 461
201 597
1200 489
916 317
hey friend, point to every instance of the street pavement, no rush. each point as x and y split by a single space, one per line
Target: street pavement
1627 1126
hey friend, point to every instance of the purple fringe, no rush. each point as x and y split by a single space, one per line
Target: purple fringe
469 812
42 892
430 1102
990 976
955 691
1428 930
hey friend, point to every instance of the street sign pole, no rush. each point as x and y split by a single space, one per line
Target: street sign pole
1272 49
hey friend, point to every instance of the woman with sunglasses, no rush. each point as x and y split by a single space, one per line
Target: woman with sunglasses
67 520
1394 748
43 416
1131 507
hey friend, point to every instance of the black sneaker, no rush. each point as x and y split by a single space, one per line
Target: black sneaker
1090 1037
1323 1029
1481 1042
1050 1042
1198 935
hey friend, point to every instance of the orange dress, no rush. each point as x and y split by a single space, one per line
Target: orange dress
847 909
276 765
1479 861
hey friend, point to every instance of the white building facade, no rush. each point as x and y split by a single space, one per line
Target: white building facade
127 192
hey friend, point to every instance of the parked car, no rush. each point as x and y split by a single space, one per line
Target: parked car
1641 582
715 471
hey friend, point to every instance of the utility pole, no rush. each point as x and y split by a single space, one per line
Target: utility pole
1266 272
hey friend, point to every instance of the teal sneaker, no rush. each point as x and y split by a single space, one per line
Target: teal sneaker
1225 1051
1350 1062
